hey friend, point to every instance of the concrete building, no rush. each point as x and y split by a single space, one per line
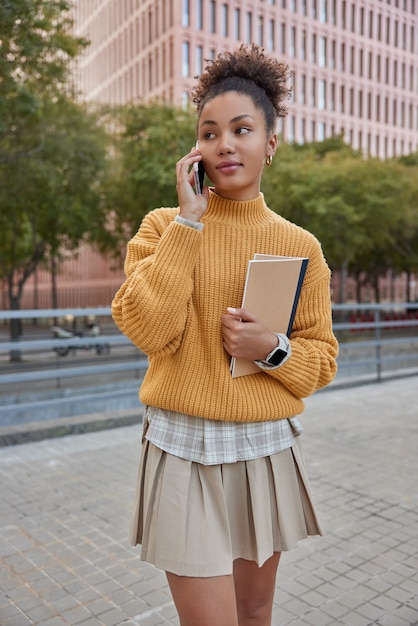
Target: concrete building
355 63
355 68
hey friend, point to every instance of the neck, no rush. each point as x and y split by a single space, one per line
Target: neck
237 212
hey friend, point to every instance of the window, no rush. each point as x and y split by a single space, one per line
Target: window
362 21
351 101
313 92
332 97
303 8
249 27
333 53
360 103
271 42
361 62
224 20
377 116
323 11
353 18
369 106
352 59
237 24
321 131
212 14
302 91
292 50
342 99
322 51
186 13
291 136
333 12
283 38
371 24
322 94
370 73
199 14
260 30
293 6
302 131
314 10
342 59
199 59
303 46
313 48
186 60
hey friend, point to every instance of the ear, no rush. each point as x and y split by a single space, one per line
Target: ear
272 145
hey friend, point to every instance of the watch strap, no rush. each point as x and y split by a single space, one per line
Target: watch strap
278 356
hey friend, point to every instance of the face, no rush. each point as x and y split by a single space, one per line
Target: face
234 144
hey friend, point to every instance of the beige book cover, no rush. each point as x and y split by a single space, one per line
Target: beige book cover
271 292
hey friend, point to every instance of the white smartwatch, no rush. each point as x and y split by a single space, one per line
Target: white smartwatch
278 355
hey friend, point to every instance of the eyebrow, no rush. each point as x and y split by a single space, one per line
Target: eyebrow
238 118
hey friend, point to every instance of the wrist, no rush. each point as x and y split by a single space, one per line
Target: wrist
278 355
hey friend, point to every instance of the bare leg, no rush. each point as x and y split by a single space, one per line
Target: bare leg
254 589
204 601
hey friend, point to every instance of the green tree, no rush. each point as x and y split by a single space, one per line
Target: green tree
314 186
151 139
52 152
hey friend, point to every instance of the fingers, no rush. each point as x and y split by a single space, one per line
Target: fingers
242 314
192 206
184 167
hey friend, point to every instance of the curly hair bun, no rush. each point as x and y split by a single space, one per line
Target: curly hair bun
254 67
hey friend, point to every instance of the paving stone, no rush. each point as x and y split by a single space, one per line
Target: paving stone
64 525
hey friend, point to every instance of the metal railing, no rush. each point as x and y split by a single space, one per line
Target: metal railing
377 341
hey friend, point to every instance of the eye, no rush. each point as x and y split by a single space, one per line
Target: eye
208 135
243 130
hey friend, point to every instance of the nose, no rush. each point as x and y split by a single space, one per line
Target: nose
225 145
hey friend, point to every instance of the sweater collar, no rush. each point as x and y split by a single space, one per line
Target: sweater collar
236 212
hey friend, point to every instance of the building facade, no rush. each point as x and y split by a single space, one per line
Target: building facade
355 66
355 63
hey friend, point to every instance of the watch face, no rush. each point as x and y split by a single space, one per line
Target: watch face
277 357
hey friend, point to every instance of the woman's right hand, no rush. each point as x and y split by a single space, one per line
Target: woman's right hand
192 206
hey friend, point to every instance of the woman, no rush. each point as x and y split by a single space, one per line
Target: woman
222 489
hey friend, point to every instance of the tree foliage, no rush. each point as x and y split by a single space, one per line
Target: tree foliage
364 211
52 151
150 140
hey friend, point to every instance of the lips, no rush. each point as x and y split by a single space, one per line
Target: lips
228 166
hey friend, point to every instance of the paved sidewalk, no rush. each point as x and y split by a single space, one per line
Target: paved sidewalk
65 506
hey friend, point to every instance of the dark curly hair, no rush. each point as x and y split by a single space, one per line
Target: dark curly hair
247 70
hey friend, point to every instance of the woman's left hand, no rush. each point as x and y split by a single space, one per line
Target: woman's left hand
245 336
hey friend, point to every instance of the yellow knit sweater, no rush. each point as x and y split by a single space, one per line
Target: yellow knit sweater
178 283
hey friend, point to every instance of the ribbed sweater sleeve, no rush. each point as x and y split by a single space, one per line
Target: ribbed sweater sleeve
151 306
179 282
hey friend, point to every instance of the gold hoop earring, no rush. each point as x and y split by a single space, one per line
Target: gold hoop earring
269 159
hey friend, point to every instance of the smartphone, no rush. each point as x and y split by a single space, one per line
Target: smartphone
199 174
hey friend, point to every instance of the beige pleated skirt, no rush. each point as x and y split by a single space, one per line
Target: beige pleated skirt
195 520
